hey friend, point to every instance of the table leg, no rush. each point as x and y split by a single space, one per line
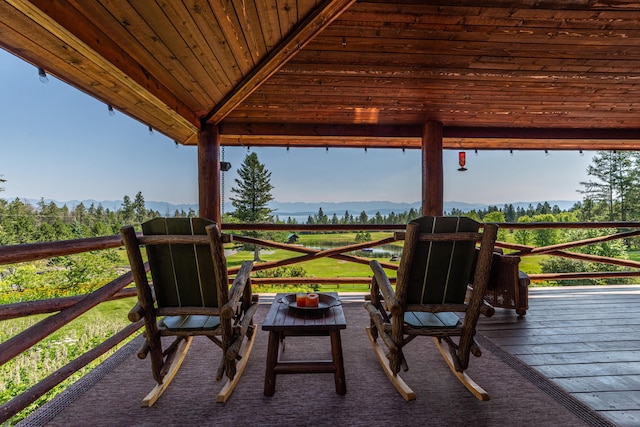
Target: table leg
272 360
338 361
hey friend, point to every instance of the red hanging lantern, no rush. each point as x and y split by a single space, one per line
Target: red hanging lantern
462 160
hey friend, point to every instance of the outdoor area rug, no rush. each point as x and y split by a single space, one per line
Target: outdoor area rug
111 395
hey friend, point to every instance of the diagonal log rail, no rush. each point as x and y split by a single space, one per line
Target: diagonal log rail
312 254
34 334
575 255
553 248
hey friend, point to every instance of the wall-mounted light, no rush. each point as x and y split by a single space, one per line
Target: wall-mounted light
462 161
42 75
225 166
112 112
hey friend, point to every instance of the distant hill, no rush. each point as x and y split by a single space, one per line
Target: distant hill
165 208
301 210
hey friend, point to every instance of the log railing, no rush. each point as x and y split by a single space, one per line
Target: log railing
70 308
67 309
560 250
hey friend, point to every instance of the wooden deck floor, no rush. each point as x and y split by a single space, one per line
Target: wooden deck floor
577 348
585 340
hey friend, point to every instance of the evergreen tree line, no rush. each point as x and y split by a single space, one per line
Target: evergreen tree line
509 212
22 222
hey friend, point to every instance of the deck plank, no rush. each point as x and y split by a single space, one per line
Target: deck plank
586 340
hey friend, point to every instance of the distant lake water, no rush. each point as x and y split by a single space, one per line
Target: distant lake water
383 251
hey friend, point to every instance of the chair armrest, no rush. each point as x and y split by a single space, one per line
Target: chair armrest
136 313
237 289
385 287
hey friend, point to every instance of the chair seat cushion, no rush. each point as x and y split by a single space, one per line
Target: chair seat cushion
191 322
419 319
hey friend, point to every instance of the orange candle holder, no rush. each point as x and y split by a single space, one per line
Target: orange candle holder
301 299
312 300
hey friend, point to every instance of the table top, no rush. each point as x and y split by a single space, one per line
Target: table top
281 317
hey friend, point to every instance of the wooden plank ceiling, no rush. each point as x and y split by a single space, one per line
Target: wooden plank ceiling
509 74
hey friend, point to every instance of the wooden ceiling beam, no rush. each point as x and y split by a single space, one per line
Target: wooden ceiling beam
409 137
415 131
303 34
409 143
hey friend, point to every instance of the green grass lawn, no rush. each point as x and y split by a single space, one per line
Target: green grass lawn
531 264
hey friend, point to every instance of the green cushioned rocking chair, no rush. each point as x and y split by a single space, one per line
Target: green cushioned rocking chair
192 297
432 286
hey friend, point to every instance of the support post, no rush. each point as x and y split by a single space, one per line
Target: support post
432 170
209 173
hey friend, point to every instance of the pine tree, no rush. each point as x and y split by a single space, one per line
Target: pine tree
253 194
616 182
253 191
128 211
139 208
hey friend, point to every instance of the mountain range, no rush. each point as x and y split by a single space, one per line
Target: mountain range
302 210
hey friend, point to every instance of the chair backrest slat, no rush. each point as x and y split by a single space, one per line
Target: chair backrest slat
183 274
440 270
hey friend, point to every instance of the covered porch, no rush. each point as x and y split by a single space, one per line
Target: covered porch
573 361
521 75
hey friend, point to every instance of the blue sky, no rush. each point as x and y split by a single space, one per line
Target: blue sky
59 143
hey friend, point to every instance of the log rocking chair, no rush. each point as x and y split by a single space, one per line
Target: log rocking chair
192 297
432 286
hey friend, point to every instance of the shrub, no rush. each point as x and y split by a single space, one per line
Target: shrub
295 271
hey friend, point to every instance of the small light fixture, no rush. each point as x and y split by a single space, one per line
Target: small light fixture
476 151
511 153
546 152
150 130
225 166
581 153
42 75
462 161
112 112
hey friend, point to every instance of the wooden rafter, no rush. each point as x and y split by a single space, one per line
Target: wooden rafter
306 31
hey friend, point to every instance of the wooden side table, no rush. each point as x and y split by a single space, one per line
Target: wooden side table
282 321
